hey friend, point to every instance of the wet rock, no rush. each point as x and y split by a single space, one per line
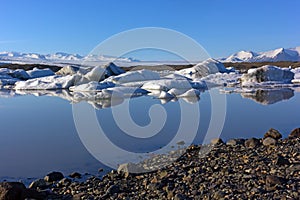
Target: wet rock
53 176
39 184
295 133
251 143
273 133
269 141
281 161
75 175
219 195
112 190
12 191
216 141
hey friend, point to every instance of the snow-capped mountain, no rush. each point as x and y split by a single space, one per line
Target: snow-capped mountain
281 54
59 58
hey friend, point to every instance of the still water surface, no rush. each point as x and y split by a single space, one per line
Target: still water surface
38 133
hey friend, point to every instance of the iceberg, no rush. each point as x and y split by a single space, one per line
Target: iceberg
20 74
37 73
46 83
167 84
92 86
267 75
221 79
209 66
6 79
96 74
296 71
113 70
134 76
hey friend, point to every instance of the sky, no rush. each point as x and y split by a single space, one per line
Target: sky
222 27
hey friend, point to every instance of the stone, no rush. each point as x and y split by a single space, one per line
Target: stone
75 175
273 133
219 195
269 141
234 142
127 168
180 197
215 141
281 161
53 176
273 180
113 189
251 143
295 133
12 191
39 183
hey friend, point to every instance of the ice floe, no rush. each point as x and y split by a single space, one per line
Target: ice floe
296 72
209 66
134 76
36 73
267 75
46 83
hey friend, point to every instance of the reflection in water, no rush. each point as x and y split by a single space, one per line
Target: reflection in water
269 96
89 97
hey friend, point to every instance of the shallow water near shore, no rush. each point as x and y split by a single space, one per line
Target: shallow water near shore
38 133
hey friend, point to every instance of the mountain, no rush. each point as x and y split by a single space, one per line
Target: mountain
281 54
59 58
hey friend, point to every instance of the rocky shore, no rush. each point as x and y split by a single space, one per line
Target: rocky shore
265 168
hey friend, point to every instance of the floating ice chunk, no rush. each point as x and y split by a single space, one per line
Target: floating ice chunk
209 66
167 84
4 71
296 71
176 92
7 80
46 83
221 79
129 91
37 73
165 95
190 93
67 70
20 74
267 75
176 76
112 69
92 86
96 74
133 76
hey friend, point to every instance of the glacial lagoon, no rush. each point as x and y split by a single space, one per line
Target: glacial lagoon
38 132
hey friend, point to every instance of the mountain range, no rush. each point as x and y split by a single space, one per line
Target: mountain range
280 54
60 58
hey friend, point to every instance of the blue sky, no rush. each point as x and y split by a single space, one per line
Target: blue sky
222 27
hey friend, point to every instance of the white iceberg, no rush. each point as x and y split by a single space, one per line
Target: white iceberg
221 79
67 70
296 71
37 73
46 83
113 70
92 86
6 79
190 93
167 84
134 76
20 74
209 66
96 74
267 75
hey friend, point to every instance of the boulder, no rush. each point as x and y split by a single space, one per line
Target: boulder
251 143
12 191
295 133
269 141
273 133
53 176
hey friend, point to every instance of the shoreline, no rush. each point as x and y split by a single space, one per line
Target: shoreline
264 168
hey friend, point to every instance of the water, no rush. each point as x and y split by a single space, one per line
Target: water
38 133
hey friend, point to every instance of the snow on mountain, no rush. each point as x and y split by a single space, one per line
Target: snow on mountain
280 54
59 58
